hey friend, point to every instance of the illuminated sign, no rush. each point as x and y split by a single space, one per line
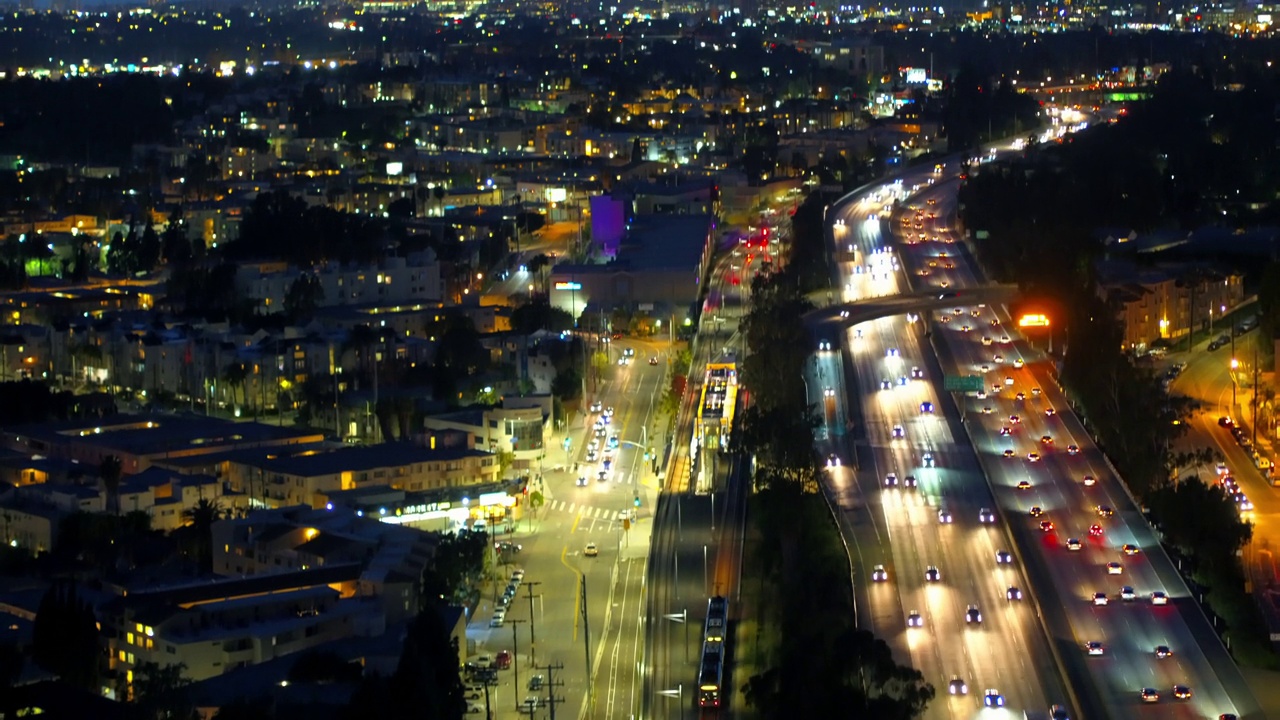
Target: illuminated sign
556 195
568 286
395 168
1033 320
917 76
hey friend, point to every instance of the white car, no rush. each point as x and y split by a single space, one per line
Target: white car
1159 598
1100 598
1127 594
879 574
499 619
591 550
1073 544
1114 568
1093 647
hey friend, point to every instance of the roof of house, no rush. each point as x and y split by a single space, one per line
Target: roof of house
352 459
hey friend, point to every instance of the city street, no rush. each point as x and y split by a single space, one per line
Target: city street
554 556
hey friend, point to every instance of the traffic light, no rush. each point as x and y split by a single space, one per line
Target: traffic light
637 501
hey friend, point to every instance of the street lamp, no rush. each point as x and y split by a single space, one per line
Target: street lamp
1235 365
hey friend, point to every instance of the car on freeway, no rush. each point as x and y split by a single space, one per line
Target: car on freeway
1046 440
1008 453
899 432
1046 526
926 408
1012 593
986 340
1149 695
1015 419
1127 594
1024 485
1058 712
916 373
891 480
992 698
915 620
596 406
928 460
653 360
885 384
1008 380
1050 412
1163 651
998 359
1100 598
1006 431
1073 449
591 550
957 686
1095 530
891 352
909 482
879 574
1093 647
932 574
1003 557
1089 481
1073 544
1114 568
1018 363
1036 511
1128 549
1182 692
972 615
986 410
833 460
944 517
1159 598
985 515
1105 511
1033 457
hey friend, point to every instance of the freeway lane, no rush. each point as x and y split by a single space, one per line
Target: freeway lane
899 527
1129 630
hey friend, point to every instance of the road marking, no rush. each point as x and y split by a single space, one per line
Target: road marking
577 596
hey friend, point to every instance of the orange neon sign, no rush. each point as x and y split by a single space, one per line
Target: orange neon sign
1034 320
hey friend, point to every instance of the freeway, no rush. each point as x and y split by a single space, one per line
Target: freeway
898 526
971 338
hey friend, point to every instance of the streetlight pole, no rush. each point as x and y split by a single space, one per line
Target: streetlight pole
515 654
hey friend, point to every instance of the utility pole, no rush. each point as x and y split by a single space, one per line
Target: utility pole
532 639
1253 420
515 655
552 684
488 710
586 645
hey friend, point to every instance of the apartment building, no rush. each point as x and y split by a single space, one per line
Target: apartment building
521 426
414 278
215 627
305 476
1166 302
392 557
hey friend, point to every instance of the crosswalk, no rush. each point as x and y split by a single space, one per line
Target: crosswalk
587 511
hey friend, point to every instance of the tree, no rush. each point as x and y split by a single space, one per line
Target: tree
161 691
111 471
427 681
175 245
147 254
567 384
235 375
1201 520
200 519
65 637
303 298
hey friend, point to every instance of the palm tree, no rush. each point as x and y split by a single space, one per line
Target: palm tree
235 375
200 518
111 470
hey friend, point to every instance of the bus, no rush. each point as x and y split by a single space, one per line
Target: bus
711 671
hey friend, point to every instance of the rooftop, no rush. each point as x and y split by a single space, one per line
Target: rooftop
158 434
313 463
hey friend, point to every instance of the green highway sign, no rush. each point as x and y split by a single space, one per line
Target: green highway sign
962 383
